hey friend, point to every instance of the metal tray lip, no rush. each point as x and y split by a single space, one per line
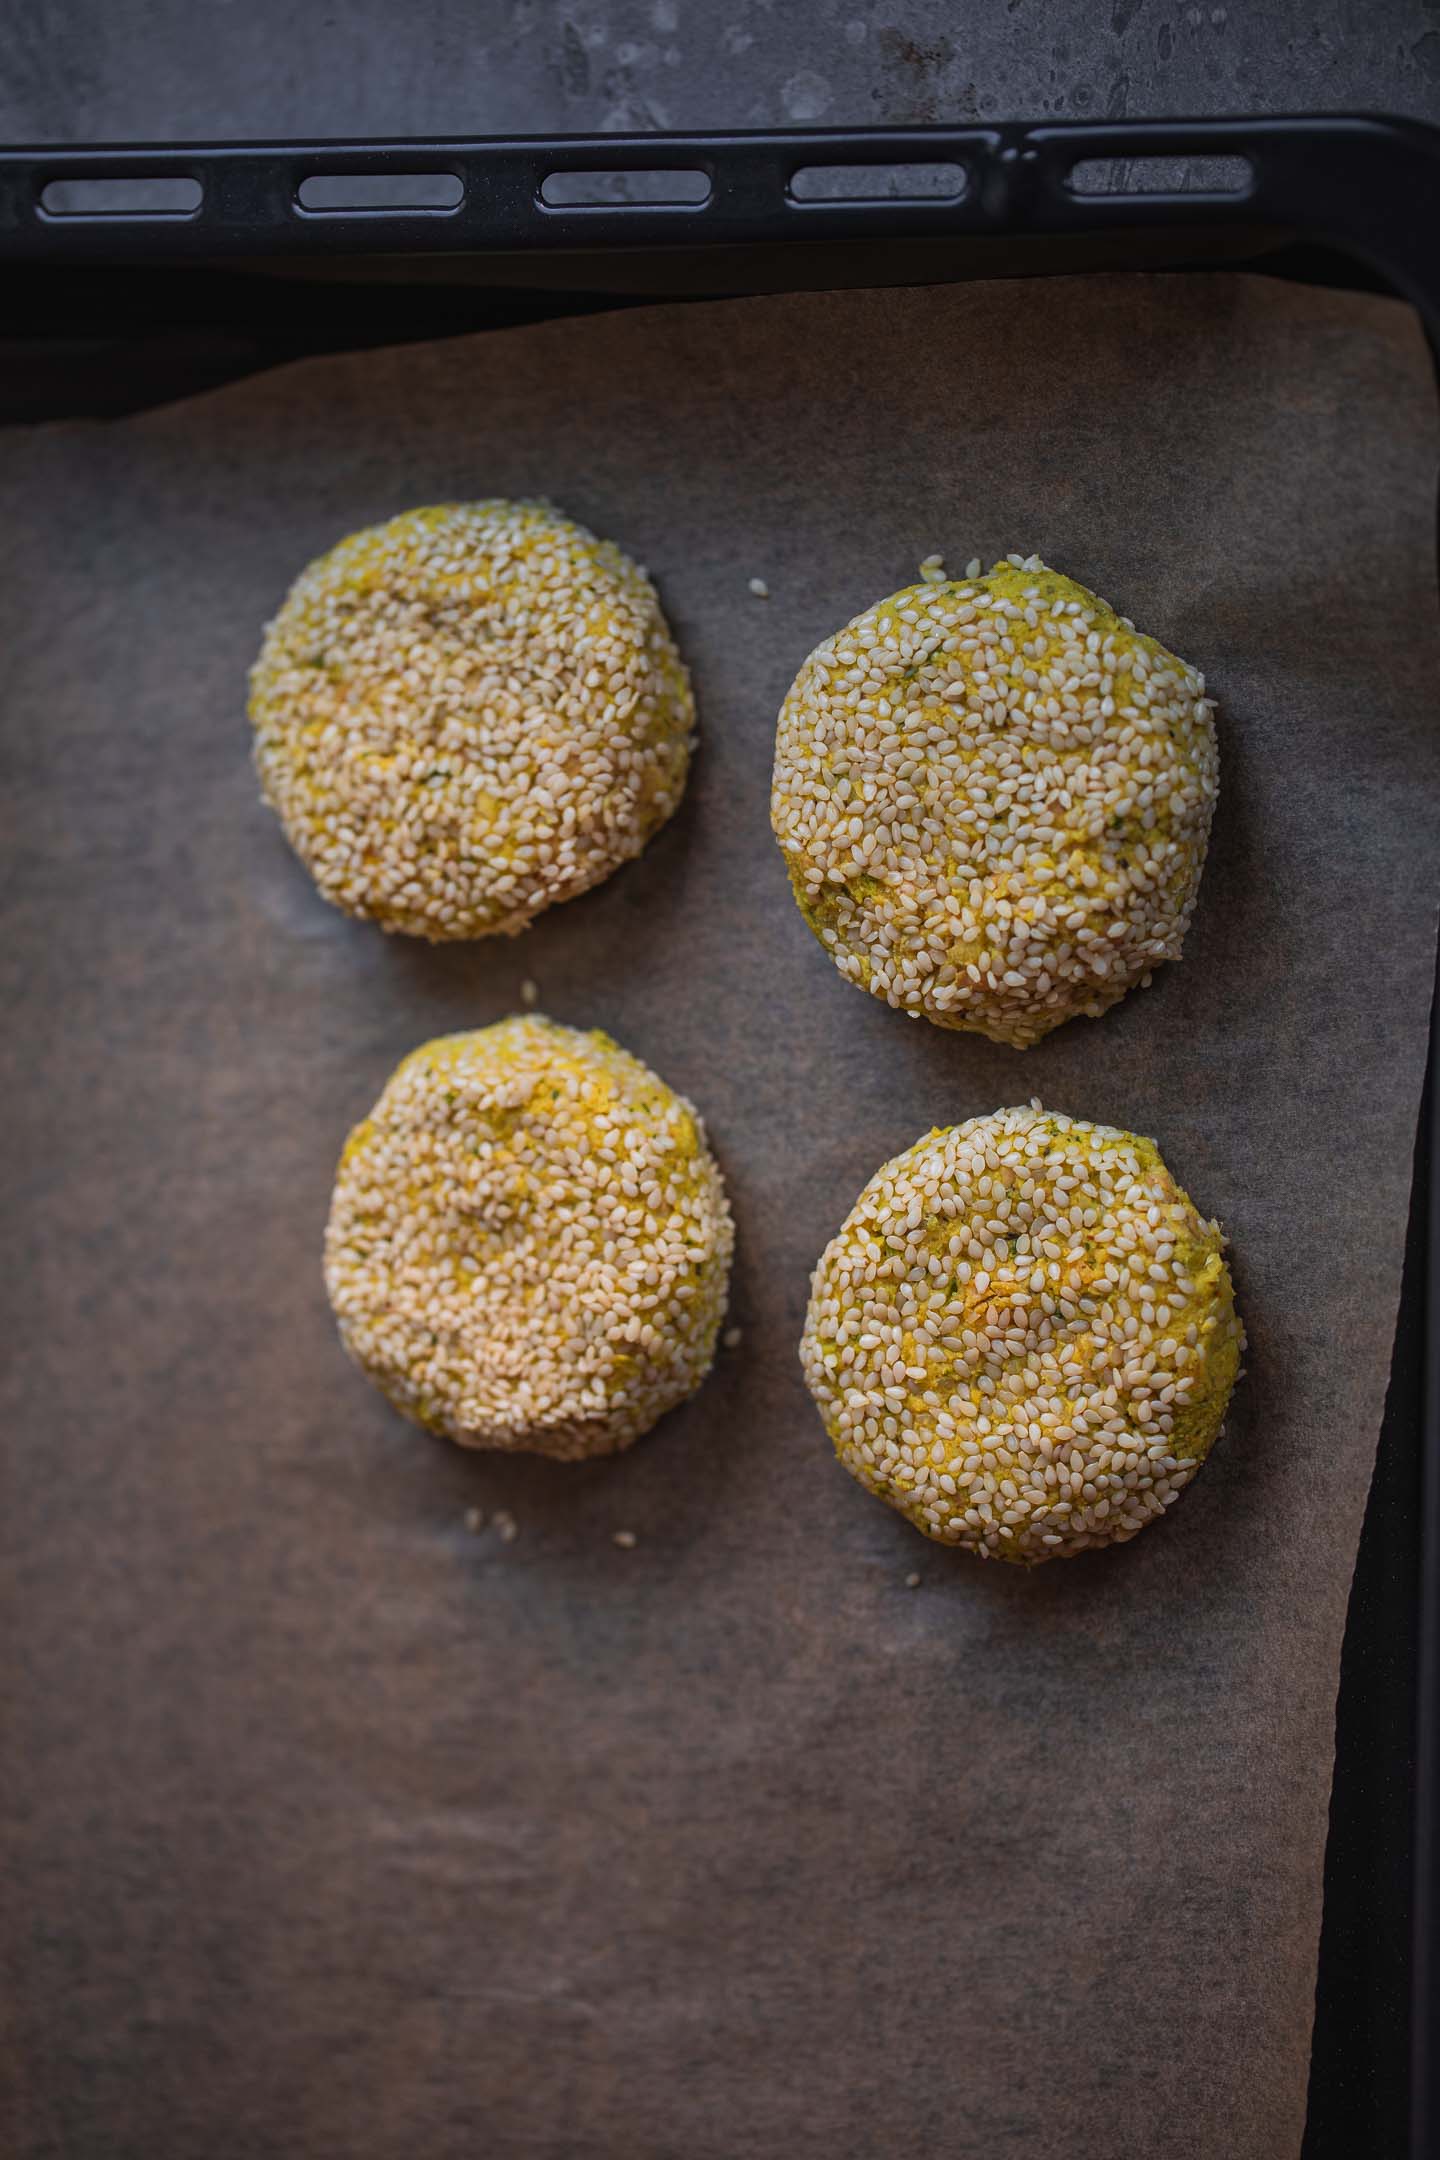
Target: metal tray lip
1367 184
1425 1880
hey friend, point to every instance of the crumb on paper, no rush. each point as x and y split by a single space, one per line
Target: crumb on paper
625 1539
759 588
506 1526
529 994
732 1338
474 1519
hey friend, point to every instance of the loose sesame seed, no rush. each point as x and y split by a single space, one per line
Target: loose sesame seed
506 1527
733 1337
995 824
467 714
912 1582
759 588
625 1539
529 994
1010 1437
529 1242
474 1519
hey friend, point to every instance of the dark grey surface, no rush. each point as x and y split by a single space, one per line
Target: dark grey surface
339 1833
96 70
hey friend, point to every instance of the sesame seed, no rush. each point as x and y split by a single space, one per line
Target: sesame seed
759 588
625 1539
1022 1426
474 1519
506 1527
529 994
733 1337
912 1582
932 570
467 714
529 1242
994 800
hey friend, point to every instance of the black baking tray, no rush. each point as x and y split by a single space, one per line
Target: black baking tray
109 309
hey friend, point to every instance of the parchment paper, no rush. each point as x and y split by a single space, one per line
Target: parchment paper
332 1828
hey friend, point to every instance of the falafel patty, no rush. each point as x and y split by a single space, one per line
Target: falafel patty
994 797
529 1241
1024 1337
467 714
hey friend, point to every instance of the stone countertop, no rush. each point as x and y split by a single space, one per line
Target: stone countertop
167 70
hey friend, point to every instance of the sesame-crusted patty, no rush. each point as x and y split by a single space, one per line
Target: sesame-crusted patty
1024 1338
468 713
994 798
529 1241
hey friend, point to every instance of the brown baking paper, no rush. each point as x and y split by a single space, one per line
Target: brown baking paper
332 1827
